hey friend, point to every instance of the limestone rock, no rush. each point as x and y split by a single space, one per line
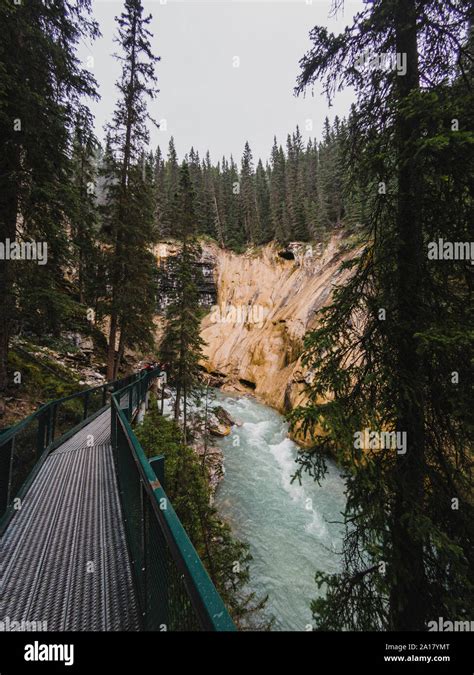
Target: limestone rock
266 303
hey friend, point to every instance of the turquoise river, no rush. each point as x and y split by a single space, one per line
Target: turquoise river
293 530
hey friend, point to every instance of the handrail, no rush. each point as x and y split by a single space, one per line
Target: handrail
25 445
173 588
209 610
78 394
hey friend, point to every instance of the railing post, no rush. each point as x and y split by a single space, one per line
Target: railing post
6 470
55 419
113 429
51 424
130 403
40 439
158 465
86 405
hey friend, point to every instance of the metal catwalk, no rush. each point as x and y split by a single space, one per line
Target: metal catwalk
64 556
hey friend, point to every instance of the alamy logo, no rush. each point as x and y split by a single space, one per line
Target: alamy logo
238 314
451 250
42 652
382 61
445 626
7 625
24 250
381 440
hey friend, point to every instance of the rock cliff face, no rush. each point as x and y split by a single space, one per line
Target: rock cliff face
266 302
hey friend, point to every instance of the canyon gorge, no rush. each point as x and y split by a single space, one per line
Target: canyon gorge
263 303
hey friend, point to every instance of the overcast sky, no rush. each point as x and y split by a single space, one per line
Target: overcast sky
227 71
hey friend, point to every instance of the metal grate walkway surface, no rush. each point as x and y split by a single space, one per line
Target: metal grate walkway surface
64 554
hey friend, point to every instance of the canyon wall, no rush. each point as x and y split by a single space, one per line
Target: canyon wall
267 300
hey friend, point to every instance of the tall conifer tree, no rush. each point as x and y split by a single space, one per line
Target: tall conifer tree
42 84
390 355
181 346
130 219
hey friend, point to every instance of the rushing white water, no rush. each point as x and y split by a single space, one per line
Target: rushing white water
290 527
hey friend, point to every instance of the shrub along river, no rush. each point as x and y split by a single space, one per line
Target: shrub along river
290 527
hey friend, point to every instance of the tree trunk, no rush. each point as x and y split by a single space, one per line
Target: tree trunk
9 161
111 347
184 415
177 401
409 599
162 397
81 262
120 352
112 365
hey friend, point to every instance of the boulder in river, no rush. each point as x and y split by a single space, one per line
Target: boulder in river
219 430
223 416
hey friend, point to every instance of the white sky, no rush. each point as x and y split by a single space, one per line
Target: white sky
204 100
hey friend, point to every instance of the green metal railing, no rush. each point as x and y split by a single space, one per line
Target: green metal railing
25 446
174 590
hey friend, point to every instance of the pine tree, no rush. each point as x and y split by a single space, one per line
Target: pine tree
388 348
160 194
278 195
311 191
263 204
234 235
248 199
328 192
84 219
214 199
170 179
181 346
295 188
39 71
130 218
196 174
210 214
138 289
